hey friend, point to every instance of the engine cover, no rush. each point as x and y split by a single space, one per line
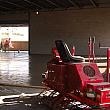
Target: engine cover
80 74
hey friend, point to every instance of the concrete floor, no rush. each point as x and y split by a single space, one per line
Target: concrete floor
21 69
23 107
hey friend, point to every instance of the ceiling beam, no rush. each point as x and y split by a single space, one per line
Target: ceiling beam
1 6
49 1
73 3
30 2
93 3
13 4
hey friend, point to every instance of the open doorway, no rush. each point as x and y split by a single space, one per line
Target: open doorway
18 35
14 62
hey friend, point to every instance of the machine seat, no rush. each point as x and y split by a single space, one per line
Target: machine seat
65 54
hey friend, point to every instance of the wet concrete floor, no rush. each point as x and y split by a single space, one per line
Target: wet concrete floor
23 107
21 69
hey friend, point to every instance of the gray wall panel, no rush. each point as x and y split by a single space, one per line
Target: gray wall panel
72 26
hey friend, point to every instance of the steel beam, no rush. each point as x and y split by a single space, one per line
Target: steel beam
73 3
30 2
52 3
13 4
93 3
5 7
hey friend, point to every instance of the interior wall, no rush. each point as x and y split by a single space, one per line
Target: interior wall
14 16
19 45
72 26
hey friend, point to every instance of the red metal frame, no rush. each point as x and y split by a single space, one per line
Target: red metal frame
84 85
108 64
91 43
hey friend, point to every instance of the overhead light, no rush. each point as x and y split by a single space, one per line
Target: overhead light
37 12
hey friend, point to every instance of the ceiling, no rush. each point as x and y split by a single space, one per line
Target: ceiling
50 5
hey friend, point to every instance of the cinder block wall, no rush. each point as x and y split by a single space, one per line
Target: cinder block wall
13 16
19 45
73 26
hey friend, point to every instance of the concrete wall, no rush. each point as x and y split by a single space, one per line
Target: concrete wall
73 26
20 45
13 16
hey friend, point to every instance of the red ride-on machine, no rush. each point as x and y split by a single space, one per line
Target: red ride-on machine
73 83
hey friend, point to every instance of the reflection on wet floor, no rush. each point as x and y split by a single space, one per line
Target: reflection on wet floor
37 66
20 68
14 68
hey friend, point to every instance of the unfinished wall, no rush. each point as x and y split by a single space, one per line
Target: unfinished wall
74 27
19 45
14 18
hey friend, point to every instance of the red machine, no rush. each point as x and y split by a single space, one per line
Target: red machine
76 81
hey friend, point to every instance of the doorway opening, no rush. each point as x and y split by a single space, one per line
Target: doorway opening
19 37
14 62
